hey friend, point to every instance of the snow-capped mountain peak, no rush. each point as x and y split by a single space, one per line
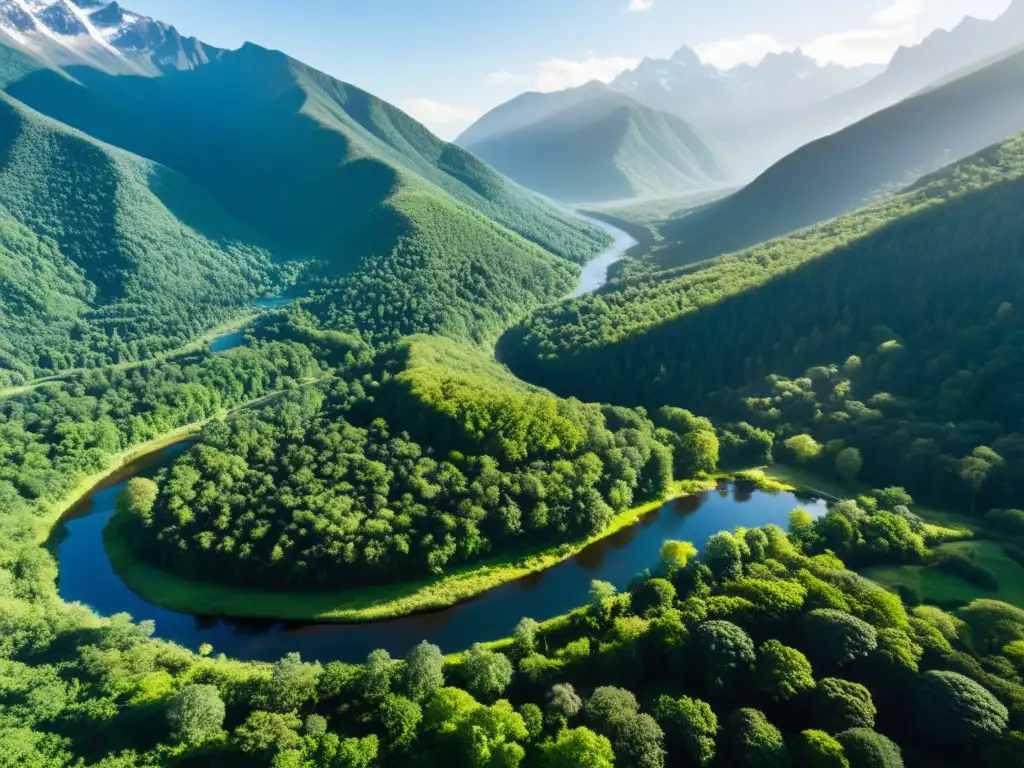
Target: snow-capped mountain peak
702 93
99 33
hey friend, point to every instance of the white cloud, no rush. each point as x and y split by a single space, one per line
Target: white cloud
896 23
641 5
445 120
558 74
504 77
750 49
898 12
433 112
861 46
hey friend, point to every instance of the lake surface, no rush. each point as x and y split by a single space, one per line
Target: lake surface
86 576
233 339
226 341
595 272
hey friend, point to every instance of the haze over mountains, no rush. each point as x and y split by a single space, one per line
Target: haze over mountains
755 115
686 86
879 155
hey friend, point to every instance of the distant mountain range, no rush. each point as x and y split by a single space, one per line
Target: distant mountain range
594 144
710 97
251 165
759 114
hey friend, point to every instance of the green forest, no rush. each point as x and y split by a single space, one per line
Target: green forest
423 404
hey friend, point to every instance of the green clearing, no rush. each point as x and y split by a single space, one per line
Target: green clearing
932 585
363 604
946 590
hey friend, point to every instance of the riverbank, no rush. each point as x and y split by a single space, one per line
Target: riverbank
118 465
121 463
360 604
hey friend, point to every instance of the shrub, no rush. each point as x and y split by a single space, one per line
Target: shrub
839 705
196 714
1007 520
836 637
725 651
865 748
756 743
952 708
816 749
782 672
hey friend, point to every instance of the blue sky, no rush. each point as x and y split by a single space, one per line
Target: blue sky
448 61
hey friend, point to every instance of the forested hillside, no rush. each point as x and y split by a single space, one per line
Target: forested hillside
601 145
393 230
858 165
450 272
106 257
302 155
923 286
431 457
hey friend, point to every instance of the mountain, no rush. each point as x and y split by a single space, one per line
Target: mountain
594 144
760 114
940 257
944 52
943 55
393 230
849 169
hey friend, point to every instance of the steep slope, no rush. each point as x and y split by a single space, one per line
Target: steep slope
851 168
105 256
593 144
934 258
760 114
940 56
303 156
945 51
526 109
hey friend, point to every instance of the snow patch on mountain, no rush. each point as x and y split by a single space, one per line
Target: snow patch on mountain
101 34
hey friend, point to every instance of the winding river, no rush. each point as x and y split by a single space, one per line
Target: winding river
87 576
595 273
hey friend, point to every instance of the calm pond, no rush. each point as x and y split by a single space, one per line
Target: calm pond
86 576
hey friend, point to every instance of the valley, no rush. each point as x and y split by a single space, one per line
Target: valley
625 412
